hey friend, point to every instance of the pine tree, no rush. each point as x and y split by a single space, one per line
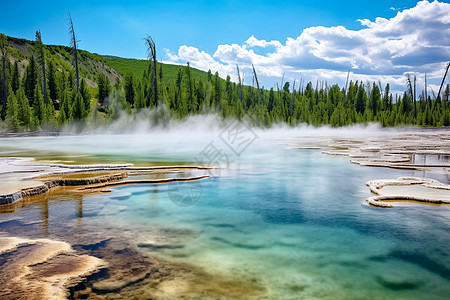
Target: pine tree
375 99
52 87
39 108
129 89
217 90
70 80
209 76
12 110
60 88
30 80
78 108
386 105
50 111
406 104
160 74
4 52
62 117
200 93
65 113
41 61
24 113
190 92
15 80
271 100
360 101
139 97
104 87
178 83
86 97
447 93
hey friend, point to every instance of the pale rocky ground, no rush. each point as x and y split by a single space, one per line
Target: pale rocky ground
423 190
23 177
421 150
19 173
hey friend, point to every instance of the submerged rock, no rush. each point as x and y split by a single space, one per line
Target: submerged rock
399 280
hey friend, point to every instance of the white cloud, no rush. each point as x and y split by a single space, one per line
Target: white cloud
202 60
416 40
170 55
254 42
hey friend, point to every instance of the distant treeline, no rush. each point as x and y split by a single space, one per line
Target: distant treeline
42 90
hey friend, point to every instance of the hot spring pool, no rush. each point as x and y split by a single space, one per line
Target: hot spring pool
293 222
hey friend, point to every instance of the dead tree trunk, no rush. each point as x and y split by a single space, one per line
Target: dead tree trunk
292 103
278 89
3 50
260 91
442 83
73 44
151 48
239 83
346 84
415 104
412 92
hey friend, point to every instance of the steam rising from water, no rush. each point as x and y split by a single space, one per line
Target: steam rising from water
152 134
162 119
158 135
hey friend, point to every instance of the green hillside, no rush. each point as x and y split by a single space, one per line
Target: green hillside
138 66
91 63
20 50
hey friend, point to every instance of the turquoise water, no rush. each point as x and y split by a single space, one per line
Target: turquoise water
294 221
299 223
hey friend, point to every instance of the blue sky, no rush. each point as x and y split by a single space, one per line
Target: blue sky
117 27
216 33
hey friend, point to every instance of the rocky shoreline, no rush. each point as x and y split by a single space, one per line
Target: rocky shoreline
41 181
431 191
426 151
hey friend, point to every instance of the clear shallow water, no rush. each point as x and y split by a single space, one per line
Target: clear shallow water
294 221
